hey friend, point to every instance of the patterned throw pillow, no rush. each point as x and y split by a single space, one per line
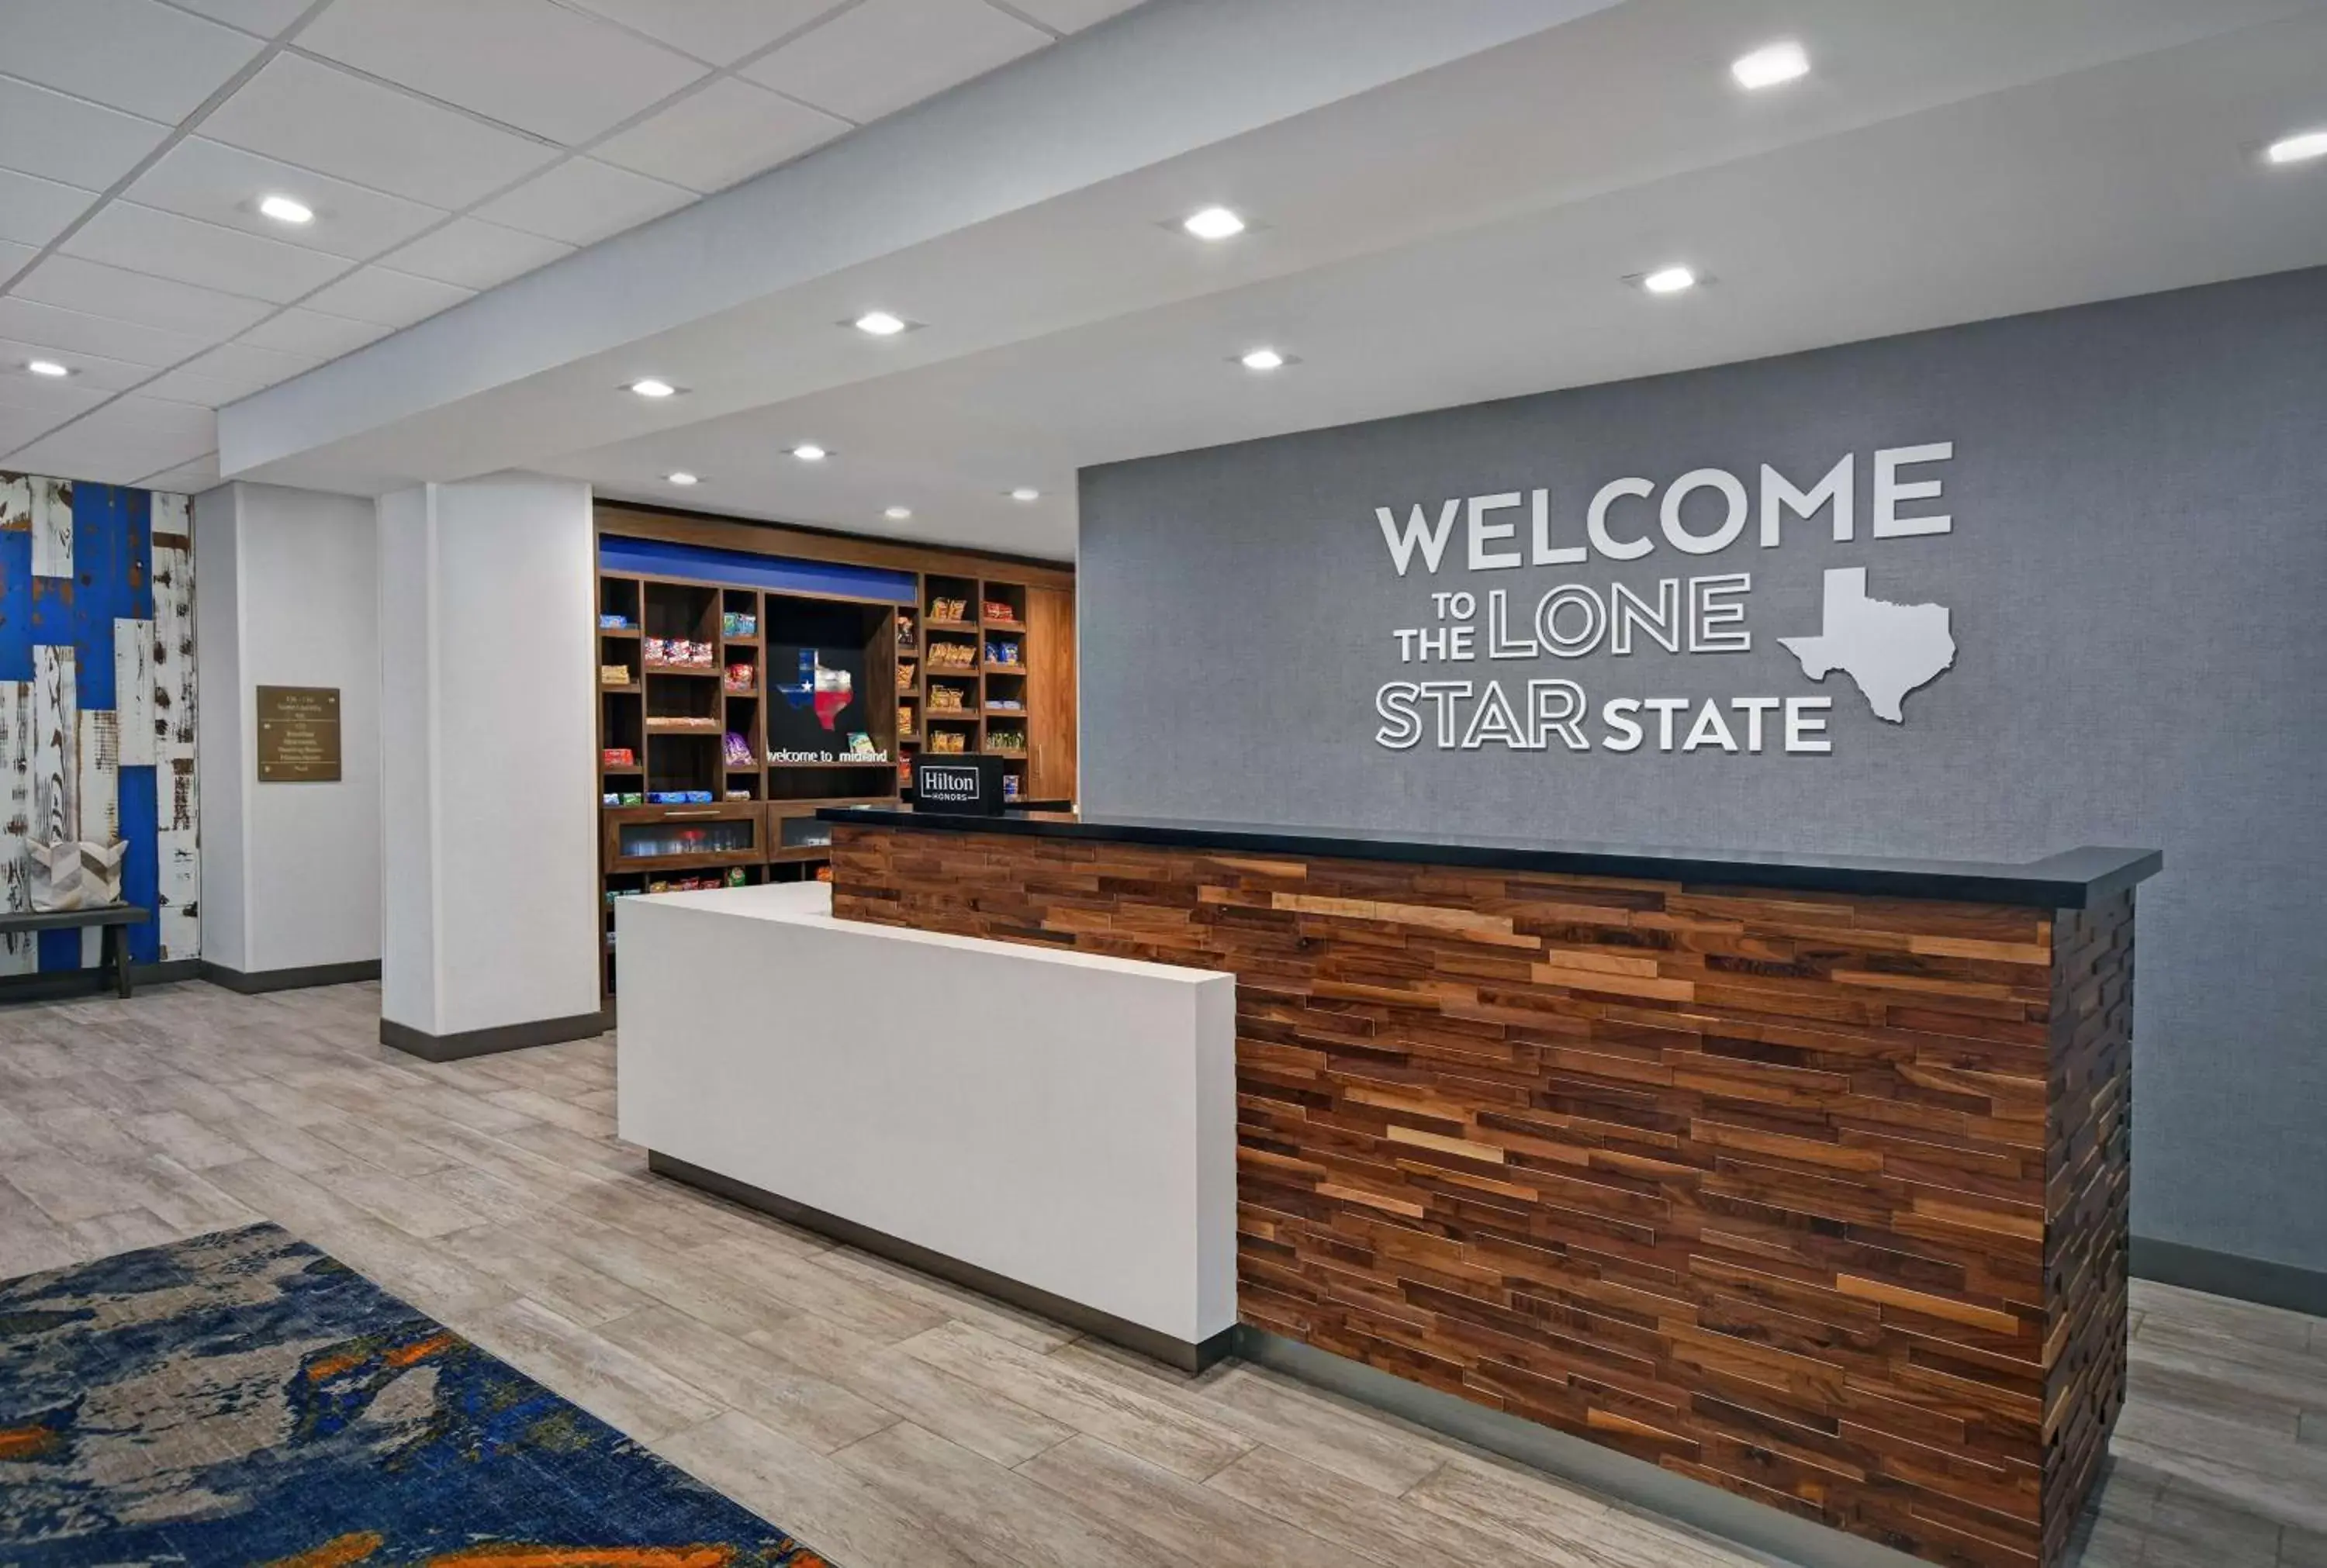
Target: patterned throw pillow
75 876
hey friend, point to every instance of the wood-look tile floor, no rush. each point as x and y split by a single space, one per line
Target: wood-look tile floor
889 1420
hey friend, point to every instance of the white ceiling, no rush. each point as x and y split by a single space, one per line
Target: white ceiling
1449 199
445 145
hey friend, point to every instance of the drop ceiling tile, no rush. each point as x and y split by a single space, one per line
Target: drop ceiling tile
217 183
77 333
92 371
1071 15
886 54
229 371
19 425
710 139
392 298
583 200
123 442
547 68
148 59
322 119
147 239
474 253
33 210
188 479
265 17
24 392
14 256
313 333
721 32
72 284
62 139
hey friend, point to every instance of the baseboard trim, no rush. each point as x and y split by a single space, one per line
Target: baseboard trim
89 982
1760 1529
2226 1273
257 981
1188 1355
491 1042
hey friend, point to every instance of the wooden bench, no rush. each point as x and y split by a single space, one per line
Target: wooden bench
113 919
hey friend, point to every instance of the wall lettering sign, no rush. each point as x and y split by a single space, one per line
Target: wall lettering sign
1445 700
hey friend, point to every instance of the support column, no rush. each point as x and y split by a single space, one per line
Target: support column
291 873
488 602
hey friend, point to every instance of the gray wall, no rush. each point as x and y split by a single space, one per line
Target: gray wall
2137 573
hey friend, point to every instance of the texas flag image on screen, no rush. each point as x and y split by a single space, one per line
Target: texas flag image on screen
831 690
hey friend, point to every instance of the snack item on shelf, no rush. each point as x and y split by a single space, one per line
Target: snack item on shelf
735 795
947 699
738 624
738 747
620 757
1005 706
613 797
906 635
860 744
949 740
999 652
743 678
609 621
655 650
824 873
702 721
904 723
634 797
1010 782
614 675
997 610
952 655
949 609
1005 740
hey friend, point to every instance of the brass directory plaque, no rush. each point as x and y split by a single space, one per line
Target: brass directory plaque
298 734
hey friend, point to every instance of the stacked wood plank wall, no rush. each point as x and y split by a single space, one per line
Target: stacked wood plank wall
2088 1193
1795 1194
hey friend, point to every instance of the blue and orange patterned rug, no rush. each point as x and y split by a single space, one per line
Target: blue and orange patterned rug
243 1399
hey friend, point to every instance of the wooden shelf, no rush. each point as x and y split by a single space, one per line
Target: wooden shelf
893 682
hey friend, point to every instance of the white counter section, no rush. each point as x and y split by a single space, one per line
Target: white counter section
1064 1121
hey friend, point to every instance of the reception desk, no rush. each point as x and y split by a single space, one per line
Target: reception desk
1803 1177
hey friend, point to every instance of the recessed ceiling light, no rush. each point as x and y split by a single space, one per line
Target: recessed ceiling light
46 368
650 388
1670 280
2299 148
1262 360
1025 493
285 210
879 324
1769 67
898 514
1213 223
682 478
809 451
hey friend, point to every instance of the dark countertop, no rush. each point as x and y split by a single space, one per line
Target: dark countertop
2071 880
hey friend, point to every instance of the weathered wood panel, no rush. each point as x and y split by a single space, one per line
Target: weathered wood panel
55 733
1757 1187
133 690
20 952
176 800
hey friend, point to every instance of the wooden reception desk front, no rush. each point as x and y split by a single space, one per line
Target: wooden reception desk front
1804 1177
